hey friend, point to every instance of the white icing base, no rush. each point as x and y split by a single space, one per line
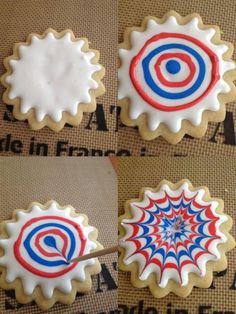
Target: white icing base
52 76
31 280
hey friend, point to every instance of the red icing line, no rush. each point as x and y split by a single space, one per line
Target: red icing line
36 271
182 56
215 72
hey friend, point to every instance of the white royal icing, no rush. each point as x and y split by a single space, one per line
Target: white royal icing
168 229
29 279
172 119
53 75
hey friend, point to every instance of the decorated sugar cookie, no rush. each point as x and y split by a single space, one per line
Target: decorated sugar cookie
52 79
173 237
175 75
35 247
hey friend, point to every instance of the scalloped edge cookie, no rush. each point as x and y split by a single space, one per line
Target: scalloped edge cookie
194 279
58 296
187 127
66 117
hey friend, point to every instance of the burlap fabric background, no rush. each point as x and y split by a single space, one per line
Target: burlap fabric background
88 184
131 13
96 20
219 175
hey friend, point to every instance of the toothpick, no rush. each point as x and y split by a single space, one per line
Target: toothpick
102 252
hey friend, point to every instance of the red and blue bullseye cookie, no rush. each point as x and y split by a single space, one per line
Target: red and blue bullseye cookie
36 247
175 75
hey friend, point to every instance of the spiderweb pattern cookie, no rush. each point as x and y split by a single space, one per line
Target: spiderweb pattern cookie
52 79
173 238
35 247
175 75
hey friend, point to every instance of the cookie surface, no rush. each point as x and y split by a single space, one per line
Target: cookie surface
173 237
52 79
175 75
35 247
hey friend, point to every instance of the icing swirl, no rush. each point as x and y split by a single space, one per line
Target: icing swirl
39 245
172 233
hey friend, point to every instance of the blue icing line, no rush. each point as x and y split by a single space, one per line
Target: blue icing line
159 91
42 261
